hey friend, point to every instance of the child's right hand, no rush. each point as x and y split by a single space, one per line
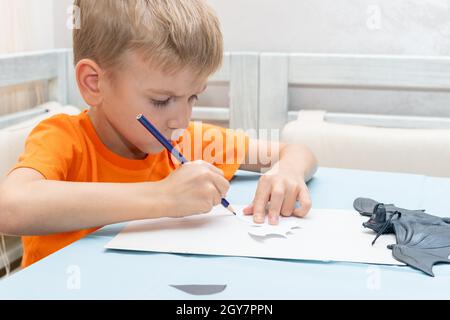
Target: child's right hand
195 187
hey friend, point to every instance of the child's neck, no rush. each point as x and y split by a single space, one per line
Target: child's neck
111 138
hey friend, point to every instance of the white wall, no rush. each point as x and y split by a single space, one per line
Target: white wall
63 35
404 27
327 26
330 26
26 25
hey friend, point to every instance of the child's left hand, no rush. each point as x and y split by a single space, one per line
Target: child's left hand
278 191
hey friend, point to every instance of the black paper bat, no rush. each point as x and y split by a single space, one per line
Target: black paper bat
422 239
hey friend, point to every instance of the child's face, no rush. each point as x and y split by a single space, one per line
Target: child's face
165 99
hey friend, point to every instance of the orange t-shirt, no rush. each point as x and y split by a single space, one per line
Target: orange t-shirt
67 148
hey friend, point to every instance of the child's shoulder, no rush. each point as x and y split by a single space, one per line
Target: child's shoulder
63 121
61 126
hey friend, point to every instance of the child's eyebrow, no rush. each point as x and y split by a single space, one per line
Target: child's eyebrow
170 93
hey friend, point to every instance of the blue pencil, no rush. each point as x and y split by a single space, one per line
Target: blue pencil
152 129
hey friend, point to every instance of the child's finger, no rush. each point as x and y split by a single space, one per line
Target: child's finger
305 203
222 185
206 164
259 203
289 202
248 210
276 202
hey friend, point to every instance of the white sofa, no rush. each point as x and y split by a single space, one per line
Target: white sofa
420 151
12 141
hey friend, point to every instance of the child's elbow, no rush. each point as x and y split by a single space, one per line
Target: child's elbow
9 204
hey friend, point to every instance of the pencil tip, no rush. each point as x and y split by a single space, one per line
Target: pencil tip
231 209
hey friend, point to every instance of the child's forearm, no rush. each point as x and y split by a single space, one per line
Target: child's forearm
44 206
297 159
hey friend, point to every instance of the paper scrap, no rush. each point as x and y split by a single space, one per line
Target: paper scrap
283 228
200 289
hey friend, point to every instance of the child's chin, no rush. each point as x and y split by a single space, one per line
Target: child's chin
154 149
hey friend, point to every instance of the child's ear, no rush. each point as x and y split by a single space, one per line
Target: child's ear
88 75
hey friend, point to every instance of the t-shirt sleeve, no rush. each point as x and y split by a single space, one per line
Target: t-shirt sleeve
50 148
224 148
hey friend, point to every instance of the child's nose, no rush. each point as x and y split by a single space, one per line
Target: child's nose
179 123
181 118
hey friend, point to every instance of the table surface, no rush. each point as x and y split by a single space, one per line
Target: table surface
85 270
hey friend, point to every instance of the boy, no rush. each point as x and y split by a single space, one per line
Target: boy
102 167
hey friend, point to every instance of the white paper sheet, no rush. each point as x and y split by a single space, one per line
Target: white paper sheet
324 235
285 226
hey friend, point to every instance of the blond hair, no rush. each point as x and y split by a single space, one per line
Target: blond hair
170 34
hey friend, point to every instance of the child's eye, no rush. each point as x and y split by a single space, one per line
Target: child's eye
193 98
160 103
